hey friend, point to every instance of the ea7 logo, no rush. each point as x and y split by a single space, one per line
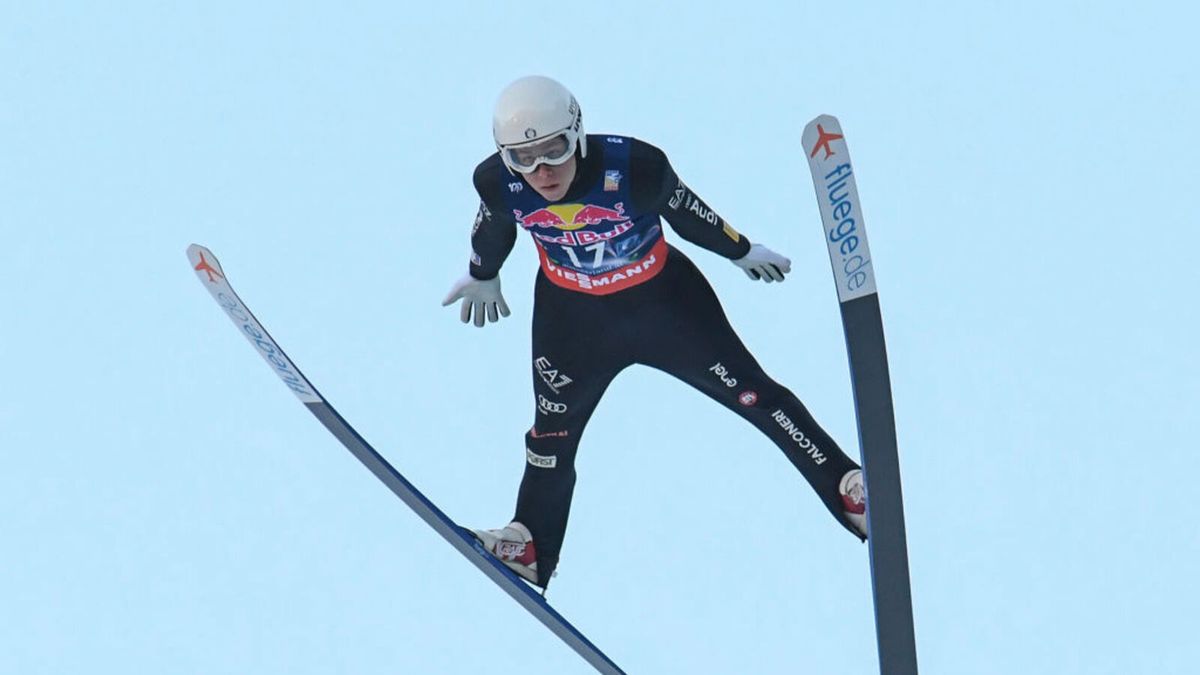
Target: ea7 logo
482 215
677 198
548 407
550 375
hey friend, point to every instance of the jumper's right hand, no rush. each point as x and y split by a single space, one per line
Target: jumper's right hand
481 296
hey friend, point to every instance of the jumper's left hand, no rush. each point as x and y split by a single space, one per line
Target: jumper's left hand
763 263
480 297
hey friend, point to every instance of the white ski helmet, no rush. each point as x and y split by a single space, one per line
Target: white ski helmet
537 121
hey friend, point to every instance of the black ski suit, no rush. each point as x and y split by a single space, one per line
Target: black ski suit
611 293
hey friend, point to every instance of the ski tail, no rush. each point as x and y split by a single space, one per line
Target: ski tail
854 275
209 271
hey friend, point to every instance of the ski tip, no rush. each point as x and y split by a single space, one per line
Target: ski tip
818 136
193 251
204 263
825 120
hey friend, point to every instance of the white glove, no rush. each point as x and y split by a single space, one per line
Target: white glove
763 263
479 295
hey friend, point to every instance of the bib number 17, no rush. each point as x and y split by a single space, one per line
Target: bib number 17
597 248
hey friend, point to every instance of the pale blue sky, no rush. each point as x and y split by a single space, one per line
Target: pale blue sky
1027 171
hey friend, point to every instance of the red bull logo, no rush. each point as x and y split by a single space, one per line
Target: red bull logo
584 237
594 215
570 216
540 218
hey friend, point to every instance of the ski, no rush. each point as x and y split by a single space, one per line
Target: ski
853 272
209 271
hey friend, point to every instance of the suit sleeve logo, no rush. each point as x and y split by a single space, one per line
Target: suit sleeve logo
677 198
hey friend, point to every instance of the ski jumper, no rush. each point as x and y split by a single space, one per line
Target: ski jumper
611 293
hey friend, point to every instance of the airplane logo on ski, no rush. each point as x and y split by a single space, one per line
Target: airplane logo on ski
208 269
823 139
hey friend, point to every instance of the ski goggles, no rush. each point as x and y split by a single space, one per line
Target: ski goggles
526 157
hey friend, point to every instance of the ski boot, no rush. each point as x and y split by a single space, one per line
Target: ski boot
854 500
513 545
